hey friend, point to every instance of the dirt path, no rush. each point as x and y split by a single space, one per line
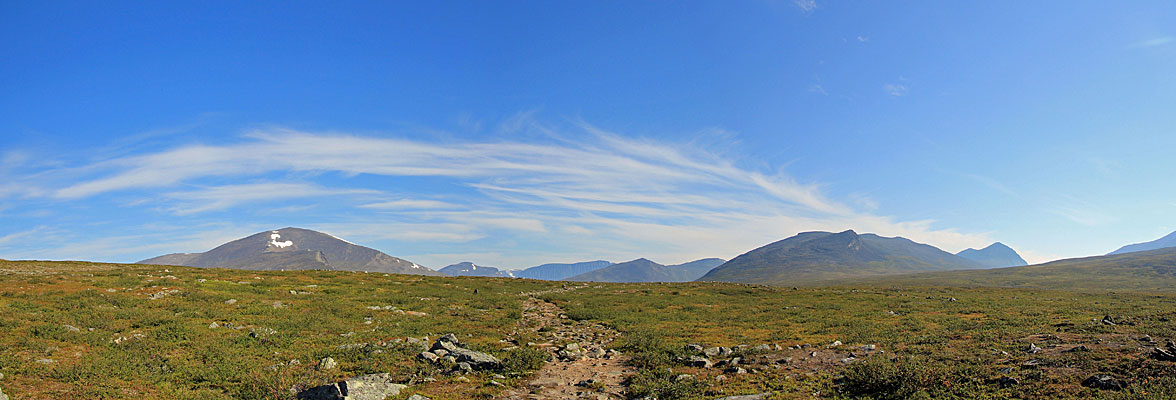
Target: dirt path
590 373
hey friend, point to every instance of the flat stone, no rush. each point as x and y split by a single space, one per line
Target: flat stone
699 362
1103 382
427 356
760 396
367 387
1162 355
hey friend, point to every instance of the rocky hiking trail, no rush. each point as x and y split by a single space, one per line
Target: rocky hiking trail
580 367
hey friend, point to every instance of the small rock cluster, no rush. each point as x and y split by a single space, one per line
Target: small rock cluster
448 350
397 311
574 351
744 359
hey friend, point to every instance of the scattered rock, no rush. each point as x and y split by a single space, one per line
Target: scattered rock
735 370
213 325
711 351
465 367
45 361
428 357
699 362
3 396
694 348
683 377
763 347
367 387
418 397
231 301
1162 355
1032 363
1077 349
725 351
595 353
72 328
760 396
327 364
1103 382
1005 381
869 347
1033 349
1109 321
453 350
835 343
259 332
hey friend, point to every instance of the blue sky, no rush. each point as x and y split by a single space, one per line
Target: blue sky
518 133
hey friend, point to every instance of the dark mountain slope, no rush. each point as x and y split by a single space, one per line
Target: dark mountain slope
694 269
293 249
643 270
816 256
556 272
1164 242
470 269
996 255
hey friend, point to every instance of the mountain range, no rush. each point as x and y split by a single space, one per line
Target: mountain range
996 255
293 249
644 270
816 256
470 269
806 258
557 271
1164 242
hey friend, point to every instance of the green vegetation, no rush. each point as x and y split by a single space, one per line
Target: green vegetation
107 337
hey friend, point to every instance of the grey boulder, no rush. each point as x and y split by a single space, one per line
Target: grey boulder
760 396
367 387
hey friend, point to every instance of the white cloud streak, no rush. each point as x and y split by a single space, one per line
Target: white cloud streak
895 89
805 5
1154 42
617 197
222 197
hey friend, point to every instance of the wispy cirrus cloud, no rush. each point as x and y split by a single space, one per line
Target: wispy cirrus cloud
895 89
584 190
409 204
1080 211
226 196
1154 42
805 5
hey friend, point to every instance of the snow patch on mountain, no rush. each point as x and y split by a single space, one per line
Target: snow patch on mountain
274 236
